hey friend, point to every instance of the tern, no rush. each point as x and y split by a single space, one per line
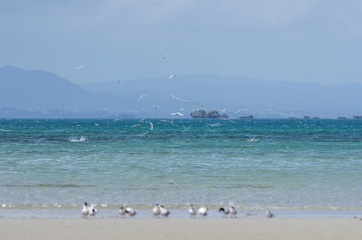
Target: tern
225 211
269 214
177 114
178 99
85 210
233 212
155 107
163 57
156 210
198 105
192 211
122 211
172 76
203 211
164 211
186 129
253 139
224 110
142 96
80 67
131 211
92 211
151 126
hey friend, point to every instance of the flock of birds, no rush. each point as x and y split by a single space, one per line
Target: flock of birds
160 210
180 114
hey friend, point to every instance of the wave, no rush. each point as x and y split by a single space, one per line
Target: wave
75 139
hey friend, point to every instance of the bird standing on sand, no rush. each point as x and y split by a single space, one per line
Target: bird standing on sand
131 211
122 211
192 211
92 211
233 212
156 210
225 211
164 211
269 214
85 210
203 211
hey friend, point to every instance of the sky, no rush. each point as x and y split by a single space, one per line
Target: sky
277 40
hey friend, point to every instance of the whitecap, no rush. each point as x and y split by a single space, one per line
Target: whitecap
75 139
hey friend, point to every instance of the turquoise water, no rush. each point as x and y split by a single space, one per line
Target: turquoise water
254 164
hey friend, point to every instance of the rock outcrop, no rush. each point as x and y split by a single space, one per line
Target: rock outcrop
209 114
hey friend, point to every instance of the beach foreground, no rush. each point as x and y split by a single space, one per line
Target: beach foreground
220 228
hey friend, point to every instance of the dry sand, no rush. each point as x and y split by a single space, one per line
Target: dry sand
172 228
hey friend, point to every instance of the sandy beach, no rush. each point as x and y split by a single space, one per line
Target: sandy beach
212 228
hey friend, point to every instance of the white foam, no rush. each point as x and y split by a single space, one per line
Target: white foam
75 139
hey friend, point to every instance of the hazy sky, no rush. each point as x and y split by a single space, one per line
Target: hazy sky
285 40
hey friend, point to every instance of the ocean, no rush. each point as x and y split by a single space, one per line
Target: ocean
294 167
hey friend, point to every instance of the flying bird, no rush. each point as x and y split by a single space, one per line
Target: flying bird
155 107
163 57
178 99
172 76
151 126
224 110
142 96
198 105
80 67
177 114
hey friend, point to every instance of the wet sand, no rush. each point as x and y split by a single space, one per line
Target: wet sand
181 228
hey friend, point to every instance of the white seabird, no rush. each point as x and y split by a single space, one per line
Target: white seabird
142 96
164 211
131 211
80 67
225 211
203 211
151 126
85 210
92 211
122 211
178 99
172 76
233 212
192 211
215 125
156 210
163 57
177 114
269 214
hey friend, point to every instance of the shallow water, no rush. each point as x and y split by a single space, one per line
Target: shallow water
254 164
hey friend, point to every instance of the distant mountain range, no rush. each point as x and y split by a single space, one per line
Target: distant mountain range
43 94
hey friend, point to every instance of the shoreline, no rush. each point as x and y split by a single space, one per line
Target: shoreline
181 228
146 213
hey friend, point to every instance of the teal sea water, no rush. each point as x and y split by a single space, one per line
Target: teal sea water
254 164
